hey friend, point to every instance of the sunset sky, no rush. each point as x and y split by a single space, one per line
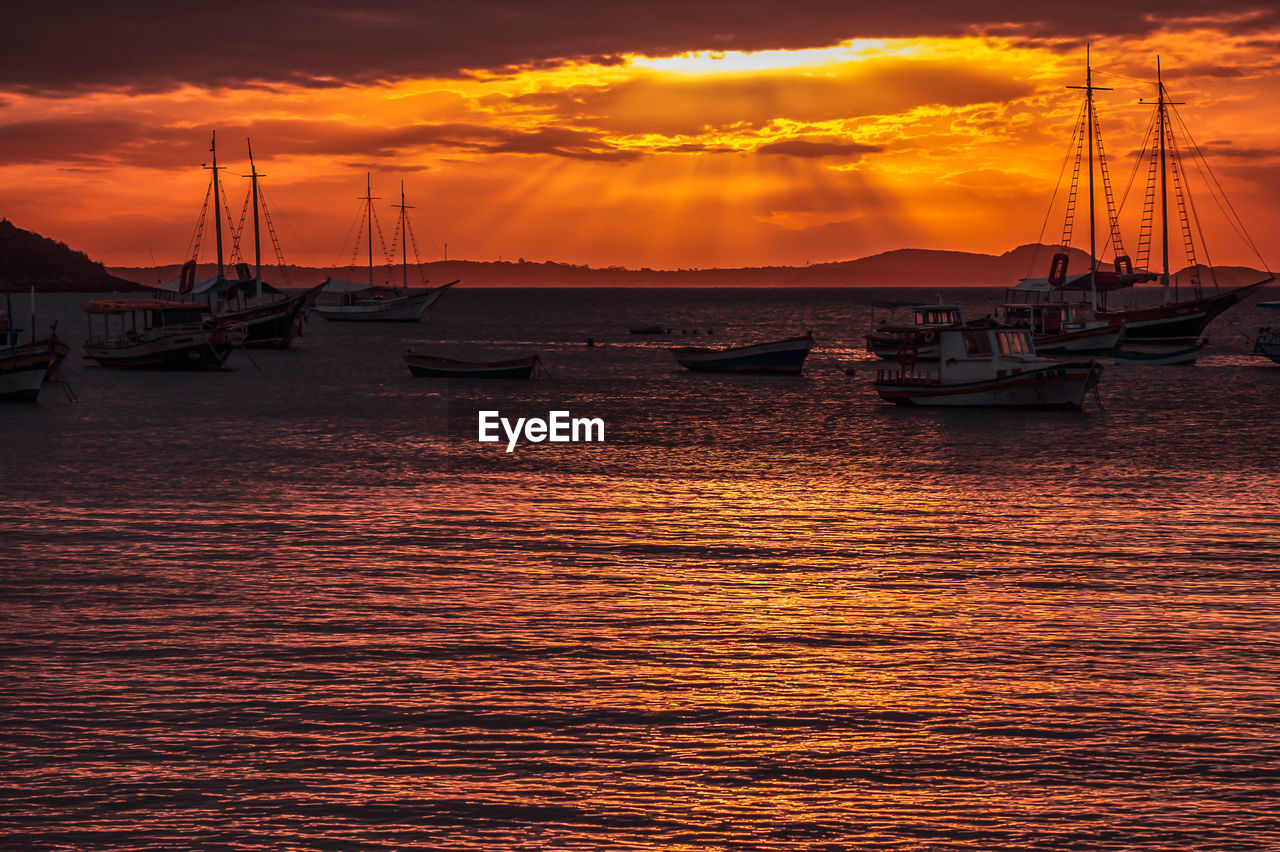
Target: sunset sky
642 134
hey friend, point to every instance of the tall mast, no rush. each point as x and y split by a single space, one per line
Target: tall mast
1162 119
217 203
368 199
1089 89
404 239
1164 186
257 242
1093 258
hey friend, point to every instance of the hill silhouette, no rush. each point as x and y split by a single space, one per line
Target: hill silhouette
30 260
901 267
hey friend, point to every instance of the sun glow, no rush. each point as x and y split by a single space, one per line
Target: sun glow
706 158
736 61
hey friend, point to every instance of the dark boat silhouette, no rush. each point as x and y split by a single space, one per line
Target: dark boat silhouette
431 366
779 357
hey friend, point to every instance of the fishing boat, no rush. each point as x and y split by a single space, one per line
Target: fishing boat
1156 356
269 317
24 370
1061 327
779 357
350 301
448 368
11 337
157 334
987 364
25 367
911 325
1267 343
1175 321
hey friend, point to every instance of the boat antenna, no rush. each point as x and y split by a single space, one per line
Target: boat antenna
257 243
1089 89
404 242
217 205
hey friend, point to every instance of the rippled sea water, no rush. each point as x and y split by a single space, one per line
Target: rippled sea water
295 604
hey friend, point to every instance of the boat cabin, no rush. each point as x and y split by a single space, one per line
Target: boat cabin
985 343
905 314
1048 317
122 321
938 315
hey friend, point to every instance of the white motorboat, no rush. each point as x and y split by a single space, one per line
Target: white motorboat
988 364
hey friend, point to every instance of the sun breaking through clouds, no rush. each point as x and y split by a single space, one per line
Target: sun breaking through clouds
602 138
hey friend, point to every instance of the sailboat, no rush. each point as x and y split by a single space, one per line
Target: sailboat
351 301
1174 322
269 317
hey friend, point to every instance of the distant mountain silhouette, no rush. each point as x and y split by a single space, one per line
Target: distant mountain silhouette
901 267
30 260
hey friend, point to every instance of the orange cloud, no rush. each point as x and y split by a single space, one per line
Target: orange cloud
721 158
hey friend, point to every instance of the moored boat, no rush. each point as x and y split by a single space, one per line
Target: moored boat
918 331
1175 322
269 317
1154 356
779 357
1267 343
156 334
24 369
989 365
1061 327
349 301
340 300
431 366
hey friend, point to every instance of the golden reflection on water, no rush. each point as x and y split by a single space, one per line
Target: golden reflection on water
763 615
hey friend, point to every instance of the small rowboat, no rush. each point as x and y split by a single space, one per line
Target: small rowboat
1156 356
780 357
448 368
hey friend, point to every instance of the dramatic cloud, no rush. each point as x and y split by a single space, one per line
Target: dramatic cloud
743 133
812 149
143 45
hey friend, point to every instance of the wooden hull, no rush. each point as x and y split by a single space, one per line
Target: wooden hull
411 308
1086 341
1056 386
1177 323
427 366
186 350
783 357
1166 356
272 326
23 371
